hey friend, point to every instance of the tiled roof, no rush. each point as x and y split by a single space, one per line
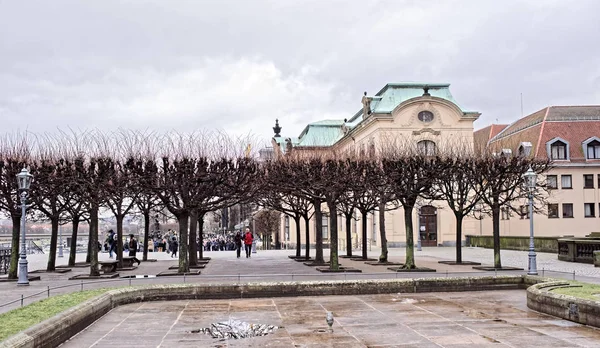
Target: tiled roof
522 123
574 124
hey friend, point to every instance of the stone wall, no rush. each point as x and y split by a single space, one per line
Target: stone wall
542 244
541 299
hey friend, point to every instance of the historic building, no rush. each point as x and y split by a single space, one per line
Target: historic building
570 137
425 115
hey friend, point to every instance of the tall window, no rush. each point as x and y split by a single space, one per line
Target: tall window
505 213
325 224
426 147
588 209
525 212
287 228
588 180
593 150
552 211
558 150
566 182
567 210
551 181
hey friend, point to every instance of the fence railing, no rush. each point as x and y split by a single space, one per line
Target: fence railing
4 260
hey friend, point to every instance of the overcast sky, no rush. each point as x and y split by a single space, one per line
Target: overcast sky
238 65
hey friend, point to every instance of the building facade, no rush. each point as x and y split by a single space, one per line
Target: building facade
570 137
424 115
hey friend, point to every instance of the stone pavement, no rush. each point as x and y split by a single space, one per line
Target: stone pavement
465 319
274 265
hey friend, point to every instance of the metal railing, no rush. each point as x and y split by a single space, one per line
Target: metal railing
4 260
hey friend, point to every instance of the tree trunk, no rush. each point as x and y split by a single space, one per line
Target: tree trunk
51 265
384 247
318 232
410 244
15 247
93 242
348 234
364 234
496 231
193 255
298 236
277 239
459 222
146 235
119 256
88 256
73 245
183 218
200 235
307 236
333 237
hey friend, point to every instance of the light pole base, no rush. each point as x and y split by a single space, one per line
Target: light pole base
23 273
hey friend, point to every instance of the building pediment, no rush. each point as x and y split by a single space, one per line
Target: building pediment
426 130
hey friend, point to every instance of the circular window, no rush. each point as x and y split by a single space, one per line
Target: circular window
425 116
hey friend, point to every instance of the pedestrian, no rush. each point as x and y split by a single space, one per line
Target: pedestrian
174 246
112 243
248 242
133 246
238 244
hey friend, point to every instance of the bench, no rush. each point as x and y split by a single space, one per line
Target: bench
127 261
109 266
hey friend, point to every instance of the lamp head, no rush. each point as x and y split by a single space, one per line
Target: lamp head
530 178
24 179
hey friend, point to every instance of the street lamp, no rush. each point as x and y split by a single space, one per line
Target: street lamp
24 181
530 179
60 243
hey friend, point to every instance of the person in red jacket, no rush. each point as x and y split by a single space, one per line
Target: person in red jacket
248 242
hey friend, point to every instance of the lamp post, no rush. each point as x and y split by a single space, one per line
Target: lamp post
60 242
530 180
24 181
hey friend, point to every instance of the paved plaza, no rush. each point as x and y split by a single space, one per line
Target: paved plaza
466 319
274 265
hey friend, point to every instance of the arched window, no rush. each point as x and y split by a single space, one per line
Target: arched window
426 147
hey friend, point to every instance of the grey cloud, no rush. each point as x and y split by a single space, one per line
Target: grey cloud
240 64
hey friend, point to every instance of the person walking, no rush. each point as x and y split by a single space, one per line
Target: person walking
133 246
174 247
112 243
248 242
238 244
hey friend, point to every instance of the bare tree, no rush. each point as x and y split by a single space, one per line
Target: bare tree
457 184
501 183
14 156
53 194
411 176
268 222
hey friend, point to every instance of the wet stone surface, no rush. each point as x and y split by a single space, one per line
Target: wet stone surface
465 319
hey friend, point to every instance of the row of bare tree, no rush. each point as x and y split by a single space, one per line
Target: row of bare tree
299 184
80 176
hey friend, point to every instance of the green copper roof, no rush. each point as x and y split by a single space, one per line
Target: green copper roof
393 94
321 133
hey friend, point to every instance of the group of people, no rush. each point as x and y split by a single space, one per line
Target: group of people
214 243
246 239
131 246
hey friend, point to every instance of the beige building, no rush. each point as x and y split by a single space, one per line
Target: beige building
570 136
425 115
